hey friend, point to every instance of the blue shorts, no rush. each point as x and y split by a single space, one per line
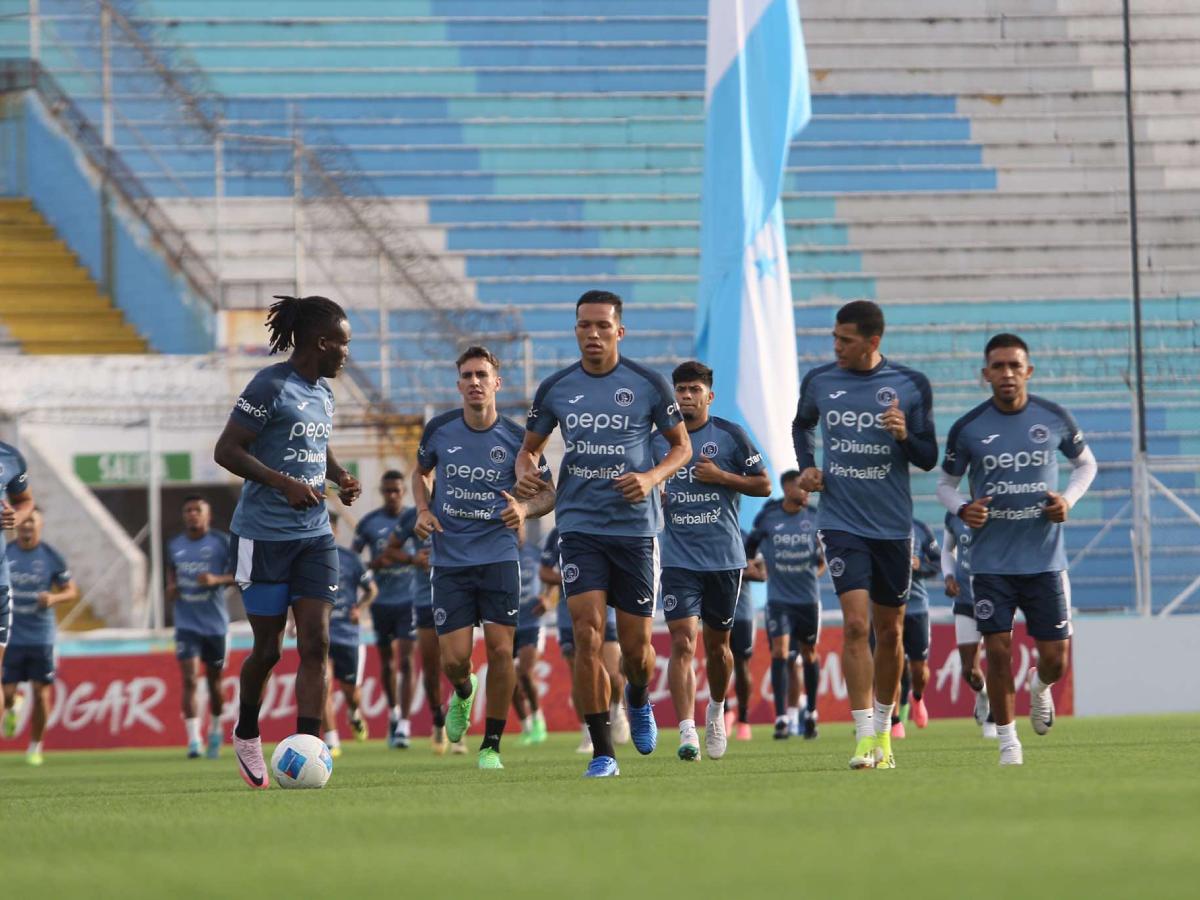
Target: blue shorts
625 568
422 616
711 596
465 596
741 642
1044 598
28 662
800 623
393 622
5 614
883 568
963 608
275 574
916 636
210 648
348 661
527 637
566 630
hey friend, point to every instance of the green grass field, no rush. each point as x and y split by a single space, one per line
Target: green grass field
1102 808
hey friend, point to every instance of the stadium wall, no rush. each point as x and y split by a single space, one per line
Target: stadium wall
1128 665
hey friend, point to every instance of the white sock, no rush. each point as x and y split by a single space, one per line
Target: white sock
527 725
587 734
883 717
354 715
214 725
686 725
35 746
402 725
1007 735
394 715
716 710
332 739
539 718
864 724
794 714
614 710
193 730
1037 686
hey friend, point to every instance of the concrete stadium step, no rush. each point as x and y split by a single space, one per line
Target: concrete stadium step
88 347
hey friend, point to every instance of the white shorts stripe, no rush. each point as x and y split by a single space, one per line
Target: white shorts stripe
362 664
966 630
657 578
245 563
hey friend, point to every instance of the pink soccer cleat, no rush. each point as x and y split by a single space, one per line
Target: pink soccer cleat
919 713
743 731
730 719
898 730
251 765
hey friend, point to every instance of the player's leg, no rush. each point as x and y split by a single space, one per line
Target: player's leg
312 676
455 648
996 601
743 649
213 652
610 652
406 676
1046 602
568 654
916 649
264 653
329 729
969 642
681 677
501 679
12 703
431 675
189 674
718 665
352 692
810 667
779 630
43 705
888 626
385 621
527 660
519 705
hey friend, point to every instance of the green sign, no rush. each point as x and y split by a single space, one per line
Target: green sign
131 468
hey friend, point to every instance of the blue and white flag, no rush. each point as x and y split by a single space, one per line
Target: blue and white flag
756 101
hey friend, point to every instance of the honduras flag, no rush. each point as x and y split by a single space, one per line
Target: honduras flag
756 101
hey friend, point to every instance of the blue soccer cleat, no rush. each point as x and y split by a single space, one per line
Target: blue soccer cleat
642 727
602 767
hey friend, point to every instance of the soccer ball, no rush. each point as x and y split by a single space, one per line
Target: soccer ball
301 761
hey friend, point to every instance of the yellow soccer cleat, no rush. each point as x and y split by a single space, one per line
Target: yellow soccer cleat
437 740
864 754
34 759
883 751
335 752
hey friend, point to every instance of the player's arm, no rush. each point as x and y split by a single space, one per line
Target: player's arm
422 493
948 560
804 437
752 479
172 590
637 486
17 508
972 511
232 453
61 592
348 486
914 432
214 579
368 591
527 469
393 554
756 570
518 510
1083 472
930 557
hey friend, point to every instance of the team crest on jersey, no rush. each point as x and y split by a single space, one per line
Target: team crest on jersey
205 552
984 609
38 567
837 566
964 539
709 450
886 396
624 397
805 526
670 601
1039 433
570 573
498 454
328 407
439 616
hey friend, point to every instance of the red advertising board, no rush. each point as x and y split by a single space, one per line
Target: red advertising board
133 700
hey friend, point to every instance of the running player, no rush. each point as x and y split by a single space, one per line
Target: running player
470 454
392 612
741 644
1006 446
528 644
786 533
608 511
198 571
704 552
40 581
956 574
926 563
347 655
876 419
277 439
14 490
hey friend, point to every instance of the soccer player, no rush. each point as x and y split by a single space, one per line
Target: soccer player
786 533
1007 446
40 581
470 454
14 490
704 553
198 571
608 510
277 439
926 563
392 611
741 644
956 574
528 644
347 655
876 420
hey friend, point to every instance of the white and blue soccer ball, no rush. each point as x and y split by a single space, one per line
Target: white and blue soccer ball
301 761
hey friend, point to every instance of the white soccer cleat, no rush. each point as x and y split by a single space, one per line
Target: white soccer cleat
989 731
715 739
620 727
983 708
1012 755
458 748
585 742
1041 707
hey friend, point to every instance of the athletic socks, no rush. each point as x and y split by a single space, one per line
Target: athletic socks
686 725
1007 735
864 725
1037 685
192 726
716 710
527 725
597 726
403 725
332 739
214 724
247 723
779 685
812 683
439 716
493 730
638 695
34 747
463 690
793 714
883 717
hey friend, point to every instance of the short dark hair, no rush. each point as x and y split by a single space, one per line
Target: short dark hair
789 476
1002 340
865 315
193 498
392 475
291 320
692 370
477 352
600 297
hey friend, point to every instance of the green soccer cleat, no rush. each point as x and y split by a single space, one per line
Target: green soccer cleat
540 734
489 758
458 715
359 727
864 754
8 727
883 751
34 759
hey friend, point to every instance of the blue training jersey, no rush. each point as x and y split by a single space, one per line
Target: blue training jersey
1013 458
961 535
867 491
472 468
702 531
531 585
788 542
374 530
606 423
33 572
744 612
200 610
293 421
14 479
421 585
929 565
352 577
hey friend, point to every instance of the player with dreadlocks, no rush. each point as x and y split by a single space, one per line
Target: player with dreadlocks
277 439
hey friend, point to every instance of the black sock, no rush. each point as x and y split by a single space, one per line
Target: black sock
439 716
597 725
812 683
638 696
895 719
916 695
247 723
463 690
779 685
905 686
308 725
493 730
